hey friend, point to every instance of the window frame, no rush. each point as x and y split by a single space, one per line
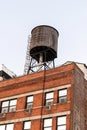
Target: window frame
44 127
63 124
9 106
62 97
49 99
29 103
7 125
24 124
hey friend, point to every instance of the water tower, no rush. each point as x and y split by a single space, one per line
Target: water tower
42 49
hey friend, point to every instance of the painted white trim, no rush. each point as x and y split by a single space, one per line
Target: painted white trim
57 88
22 95
37 92
36 117
56 114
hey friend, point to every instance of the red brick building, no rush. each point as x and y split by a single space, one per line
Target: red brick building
54 99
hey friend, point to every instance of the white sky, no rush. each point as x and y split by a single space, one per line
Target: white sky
19 17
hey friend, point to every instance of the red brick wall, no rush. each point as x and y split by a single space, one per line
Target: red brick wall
53 78
78 102
86 105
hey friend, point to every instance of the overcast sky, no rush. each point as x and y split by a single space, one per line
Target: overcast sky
19 17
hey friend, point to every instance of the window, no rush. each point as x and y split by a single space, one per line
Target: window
62 95
61 123
47 124
49 98
27 125
7 127
8 106
29 101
